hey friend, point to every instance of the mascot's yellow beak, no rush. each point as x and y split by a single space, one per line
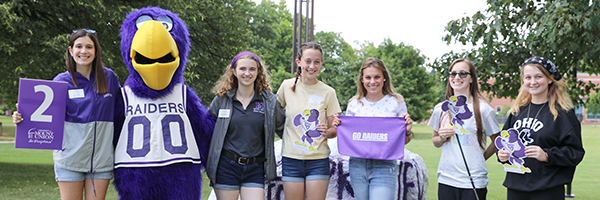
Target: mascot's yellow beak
505 134
453 99
306 113
154 54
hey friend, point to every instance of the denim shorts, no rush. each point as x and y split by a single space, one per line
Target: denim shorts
69 176
231 175
295 170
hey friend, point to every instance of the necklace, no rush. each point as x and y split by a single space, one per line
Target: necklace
536 115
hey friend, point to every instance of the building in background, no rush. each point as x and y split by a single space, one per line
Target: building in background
501 104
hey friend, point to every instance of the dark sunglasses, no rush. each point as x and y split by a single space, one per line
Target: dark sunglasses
86 30
461 74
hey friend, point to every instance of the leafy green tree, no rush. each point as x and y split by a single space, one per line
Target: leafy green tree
593 103
337 59
35 34
271 36
509 32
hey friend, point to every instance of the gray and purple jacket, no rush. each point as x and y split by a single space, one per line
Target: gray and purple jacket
89 124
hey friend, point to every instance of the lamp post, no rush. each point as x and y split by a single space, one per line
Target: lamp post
308 26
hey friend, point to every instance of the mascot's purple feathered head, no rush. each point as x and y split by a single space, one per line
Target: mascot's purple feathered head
510 135
154 45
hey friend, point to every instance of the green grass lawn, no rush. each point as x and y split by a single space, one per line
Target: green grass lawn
5 120
8 129
587 175
29 174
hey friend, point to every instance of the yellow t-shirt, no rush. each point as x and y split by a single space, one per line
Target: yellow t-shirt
304 110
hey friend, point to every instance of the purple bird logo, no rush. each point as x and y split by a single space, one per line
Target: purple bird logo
308 121
459 111
514 142
259 108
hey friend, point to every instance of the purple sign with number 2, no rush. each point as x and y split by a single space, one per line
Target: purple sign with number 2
42 105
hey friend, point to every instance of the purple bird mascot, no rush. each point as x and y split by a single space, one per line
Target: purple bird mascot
163 136
458 108
308 121
457 105
514 142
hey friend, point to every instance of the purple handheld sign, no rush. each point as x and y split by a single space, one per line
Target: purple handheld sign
42 104
372 137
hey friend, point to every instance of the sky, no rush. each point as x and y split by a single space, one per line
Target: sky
418 23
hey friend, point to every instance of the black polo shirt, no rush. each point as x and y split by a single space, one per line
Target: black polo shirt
245 135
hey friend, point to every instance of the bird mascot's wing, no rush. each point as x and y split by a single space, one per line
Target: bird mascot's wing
498 141
202 122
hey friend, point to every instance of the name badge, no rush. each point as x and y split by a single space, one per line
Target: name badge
314 99
224 113
76 93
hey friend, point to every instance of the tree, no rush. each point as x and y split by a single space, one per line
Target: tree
336 71
271 37
509 32
35 34
593 104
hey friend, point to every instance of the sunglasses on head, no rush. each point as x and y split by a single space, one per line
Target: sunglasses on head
462 74
86 30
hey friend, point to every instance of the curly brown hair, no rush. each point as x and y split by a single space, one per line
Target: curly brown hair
228 81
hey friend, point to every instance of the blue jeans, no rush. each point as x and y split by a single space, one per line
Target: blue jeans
374 179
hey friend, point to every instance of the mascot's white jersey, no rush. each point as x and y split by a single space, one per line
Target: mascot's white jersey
156 132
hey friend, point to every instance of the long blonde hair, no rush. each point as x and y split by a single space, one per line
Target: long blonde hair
557 93
388 88
228 81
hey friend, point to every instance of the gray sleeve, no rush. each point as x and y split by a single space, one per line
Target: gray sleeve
279 118
214 108
490 120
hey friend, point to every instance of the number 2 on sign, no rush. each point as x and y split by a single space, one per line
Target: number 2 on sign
38 115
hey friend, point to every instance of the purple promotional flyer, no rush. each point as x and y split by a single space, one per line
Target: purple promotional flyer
42 104
372 137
